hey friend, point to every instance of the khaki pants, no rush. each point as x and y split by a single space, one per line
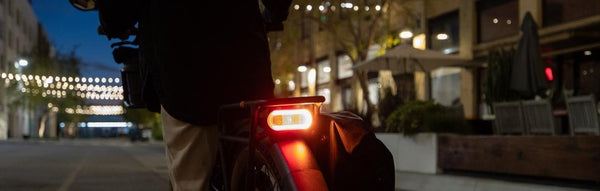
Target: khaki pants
191 152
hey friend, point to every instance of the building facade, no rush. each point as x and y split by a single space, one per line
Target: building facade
469 28
20 33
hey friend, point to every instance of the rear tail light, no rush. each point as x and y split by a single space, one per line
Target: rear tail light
290 119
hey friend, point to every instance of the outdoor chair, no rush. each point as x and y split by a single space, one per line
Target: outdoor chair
538 117
509 118
583 116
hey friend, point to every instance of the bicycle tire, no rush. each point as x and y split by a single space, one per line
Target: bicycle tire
264 168
270 165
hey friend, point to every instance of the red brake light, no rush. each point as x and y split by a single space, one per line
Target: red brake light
289 119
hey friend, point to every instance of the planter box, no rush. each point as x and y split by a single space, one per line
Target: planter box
564 157
416 153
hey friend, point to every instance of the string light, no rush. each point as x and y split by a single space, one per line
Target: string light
96 110
56 86
327 5
115 95
55 79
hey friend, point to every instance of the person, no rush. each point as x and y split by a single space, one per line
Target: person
201 55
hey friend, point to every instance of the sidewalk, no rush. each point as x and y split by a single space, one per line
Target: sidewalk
121 141
427 182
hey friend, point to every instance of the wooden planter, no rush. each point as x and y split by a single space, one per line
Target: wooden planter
568 157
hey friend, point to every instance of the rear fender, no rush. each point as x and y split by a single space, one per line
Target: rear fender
295 161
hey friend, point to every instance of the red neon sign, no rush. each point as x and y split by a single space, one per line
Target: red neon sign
549 74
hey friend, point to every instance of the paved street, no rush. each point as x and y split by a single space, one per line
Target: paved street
118 164
82 165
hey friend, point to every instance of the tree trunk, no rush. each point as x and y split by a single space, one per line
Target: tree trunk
363 81
42 128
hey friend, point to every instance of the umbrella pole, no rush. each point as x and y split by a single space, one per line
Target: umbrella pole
427 79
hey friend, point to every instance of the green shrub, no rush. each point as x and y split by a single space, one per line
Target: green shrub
425 116
157 133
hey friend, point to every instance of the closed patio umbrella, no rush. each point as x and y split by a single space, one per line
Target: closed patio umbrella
527 75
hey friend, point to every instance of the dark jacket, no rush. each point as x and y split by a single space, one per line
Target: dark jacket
204 54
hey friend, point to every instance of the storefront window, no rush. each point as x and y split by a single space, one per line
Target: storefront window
347 97
578 73
443 33
497 19
323 71
344 67
304 79
485 110
374 91
588 79
304 94
325 93
559 11
445 86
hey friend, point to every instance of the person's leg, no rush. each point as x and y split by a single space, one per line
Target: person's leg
191 152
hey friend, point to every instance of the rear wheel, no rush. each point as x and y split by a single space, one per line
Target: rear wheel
266 174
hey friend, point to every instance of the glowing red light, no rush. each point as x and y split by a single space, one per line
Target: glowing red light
549 74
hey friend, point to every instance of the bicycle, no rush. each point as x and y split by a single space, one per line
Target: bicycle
289 145
272 153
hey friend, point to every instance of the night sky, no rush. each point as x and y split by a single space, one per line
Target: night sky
69 28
